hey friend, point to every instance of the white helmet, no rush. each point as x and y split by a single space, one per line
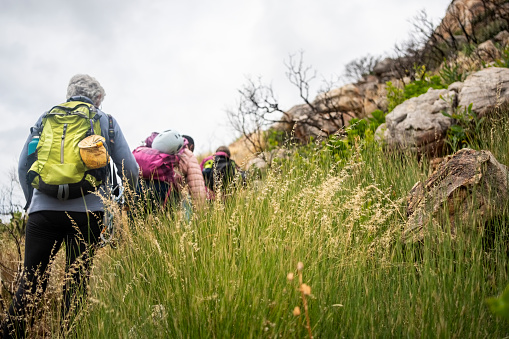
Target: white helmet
169 142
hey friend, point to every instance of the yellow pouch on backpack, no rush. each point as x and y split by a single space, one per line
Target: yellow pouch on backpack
93 151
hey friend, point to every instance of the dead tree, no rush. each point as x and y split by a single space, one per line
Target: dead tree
356 69
258 107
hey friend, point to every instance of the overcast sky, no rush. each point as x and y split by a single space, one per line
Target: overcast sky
178 64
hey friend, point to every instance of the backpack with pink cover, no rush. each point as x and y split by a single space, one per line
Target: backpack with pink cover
155 165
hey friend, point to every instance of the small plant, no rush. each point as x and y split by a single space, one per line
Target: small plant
339 147
275 139
361 127
500 305
421 85
305 290
467 125
395 96
451 73
504 59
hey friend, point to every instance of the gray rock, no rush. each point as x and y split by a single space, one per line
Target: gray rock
418 123
502 37
485 90
487 51
467 181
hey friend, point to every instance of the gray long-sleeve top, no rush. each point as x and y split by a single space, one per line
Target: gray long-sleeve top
120 153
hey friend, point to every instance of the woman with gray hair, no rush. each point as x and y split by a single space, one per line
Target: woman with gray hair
83 85
77 222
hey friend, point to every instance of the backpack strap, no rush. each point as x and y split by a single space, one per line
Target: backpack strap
113 175
111 131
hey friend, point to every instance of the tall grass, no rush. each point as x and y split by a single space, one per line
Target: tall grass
224 273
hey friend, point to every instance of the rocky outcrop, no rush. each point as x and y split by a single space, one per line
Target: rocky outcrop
460 15
502 38
419 121
487 52
485 90
385 70
465 184
418 124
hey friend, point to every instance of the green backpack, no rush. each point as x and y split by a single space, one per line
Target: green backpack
57 169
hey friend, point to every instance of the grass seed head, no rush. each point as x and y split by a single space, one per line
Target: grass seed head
306 289
296 311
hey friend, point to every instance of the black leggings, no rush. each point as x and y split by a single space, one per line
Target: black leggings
45 232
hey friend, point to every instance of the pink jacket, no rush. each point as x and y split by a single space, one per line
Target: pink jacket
190 168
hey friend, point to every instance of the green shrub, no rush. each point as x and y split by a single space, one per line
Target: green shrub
275 139
465 130
396 96
500 305
504 59
450 74
418 87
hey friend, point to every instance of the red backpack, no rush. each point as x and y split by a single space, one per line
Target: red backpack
155 165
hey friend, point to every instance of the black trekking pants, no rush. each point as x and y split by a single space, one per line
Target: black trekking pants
45 232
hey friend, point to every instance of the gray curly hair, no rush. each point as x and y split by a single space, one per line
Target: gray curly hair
85 85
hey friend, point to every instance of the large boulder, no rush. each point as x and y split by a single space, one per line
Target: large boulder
385 69
460 15
374 94
467 181
485 90
418 124
487 52
502 38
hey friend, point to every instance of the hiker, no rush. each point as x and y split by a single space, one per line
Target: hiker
224 167
60 210
190 142
168 166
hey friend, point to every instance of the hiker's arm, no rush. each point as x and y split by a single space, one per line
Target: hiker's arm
127 167
23 167
194 177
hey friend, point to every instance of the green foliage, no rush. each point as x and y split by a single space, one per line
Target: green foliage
450 74
341 148
465 130
468 49
224 273
490 28
504 59
421 85
360 127
395 96
418 87
359 131
16 225
275 139
500 305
